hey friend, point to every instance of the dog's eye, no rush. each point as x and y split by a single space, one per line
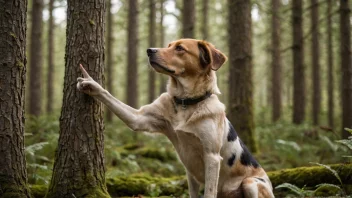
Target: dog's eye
179 48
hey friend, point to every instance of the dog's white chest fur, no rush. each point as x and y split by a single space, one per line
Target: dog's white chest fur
190 151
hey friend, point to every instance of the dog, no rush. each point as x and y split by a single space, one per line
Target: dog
194 120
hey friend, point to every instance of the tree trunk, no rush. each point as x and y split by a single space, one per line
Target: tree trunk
316 99
162 86
205 27
13 174
188 18
299 93
50 76
240 61
346 66
330 67
109 62
35 59
132 69
79 162
152 35
276 63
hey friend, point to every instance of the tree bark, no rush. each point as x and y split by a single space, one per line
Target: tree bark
316 98
346 66
240 110
299 93
162 78
205 27
188 18
132 43
330 67
276 63
152 43
109 52
35 59
13 173
79 162
50 76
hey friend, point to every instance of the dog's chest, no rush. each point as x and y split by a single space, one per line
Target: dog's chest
190 151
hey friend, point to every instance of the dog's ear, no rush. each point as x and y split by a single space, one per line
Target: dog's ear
208 54
204 54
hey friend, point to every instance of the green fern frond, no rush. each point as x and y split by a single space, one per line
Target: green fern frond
35 147
328 186
291 187
347 143
331 170
348 130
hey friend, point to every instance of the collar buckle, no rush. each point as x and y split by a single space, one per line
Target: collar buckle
183 104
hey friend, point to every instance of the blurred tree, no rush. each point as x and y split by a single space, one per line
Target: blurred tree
109 55
35 58
205 27
152 43
132 44
330 66
299 93
13 173
316 99
79 169
50 74
162 86
276 62
346 66
240 110
188 18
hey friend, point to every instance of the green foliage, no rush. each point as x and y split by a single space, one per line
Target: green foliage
299 191
331 170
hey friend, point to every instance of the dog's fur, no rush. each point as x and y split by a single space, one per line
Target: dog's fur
204 139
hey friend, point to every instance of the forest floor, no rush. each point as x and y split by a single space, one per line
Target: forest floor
146 164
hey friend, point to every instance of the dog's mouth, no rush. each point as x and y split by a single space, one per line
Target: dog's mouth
155 64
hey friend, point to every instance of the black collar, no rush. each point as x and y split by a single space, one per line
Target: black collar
191 101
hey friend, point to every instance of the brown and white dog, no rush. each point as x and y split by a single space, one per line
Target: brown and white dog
192 117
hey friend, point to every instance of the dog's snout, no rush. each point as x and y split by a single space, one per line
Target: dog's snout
151 51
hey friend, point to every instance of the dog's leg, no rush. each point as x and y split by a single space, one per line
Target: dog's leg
145 119
193 186
254 187
212 168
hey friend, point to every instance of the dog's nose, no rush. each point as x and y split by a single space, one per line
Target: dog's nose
151 51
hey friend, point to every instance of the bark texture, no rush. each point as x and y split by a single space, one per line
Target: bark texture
276 63
35 59
346 66
50 76
162 86
240 111
152 43
188 18
316 99
299 93
330 67
13 174
132 43
109 52
204 30
79 161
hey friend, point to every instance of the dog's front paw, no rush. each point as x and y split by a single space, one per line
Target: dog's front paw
87 85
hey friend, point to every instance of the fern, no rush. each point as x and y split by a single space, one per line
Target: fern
349 130
293 188
35 147
327 186
331 170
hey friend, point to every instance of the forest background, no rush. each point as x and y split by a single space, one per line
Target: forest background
300 86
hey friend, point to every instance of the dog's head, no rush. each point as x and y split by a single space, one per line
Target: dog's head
186 58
